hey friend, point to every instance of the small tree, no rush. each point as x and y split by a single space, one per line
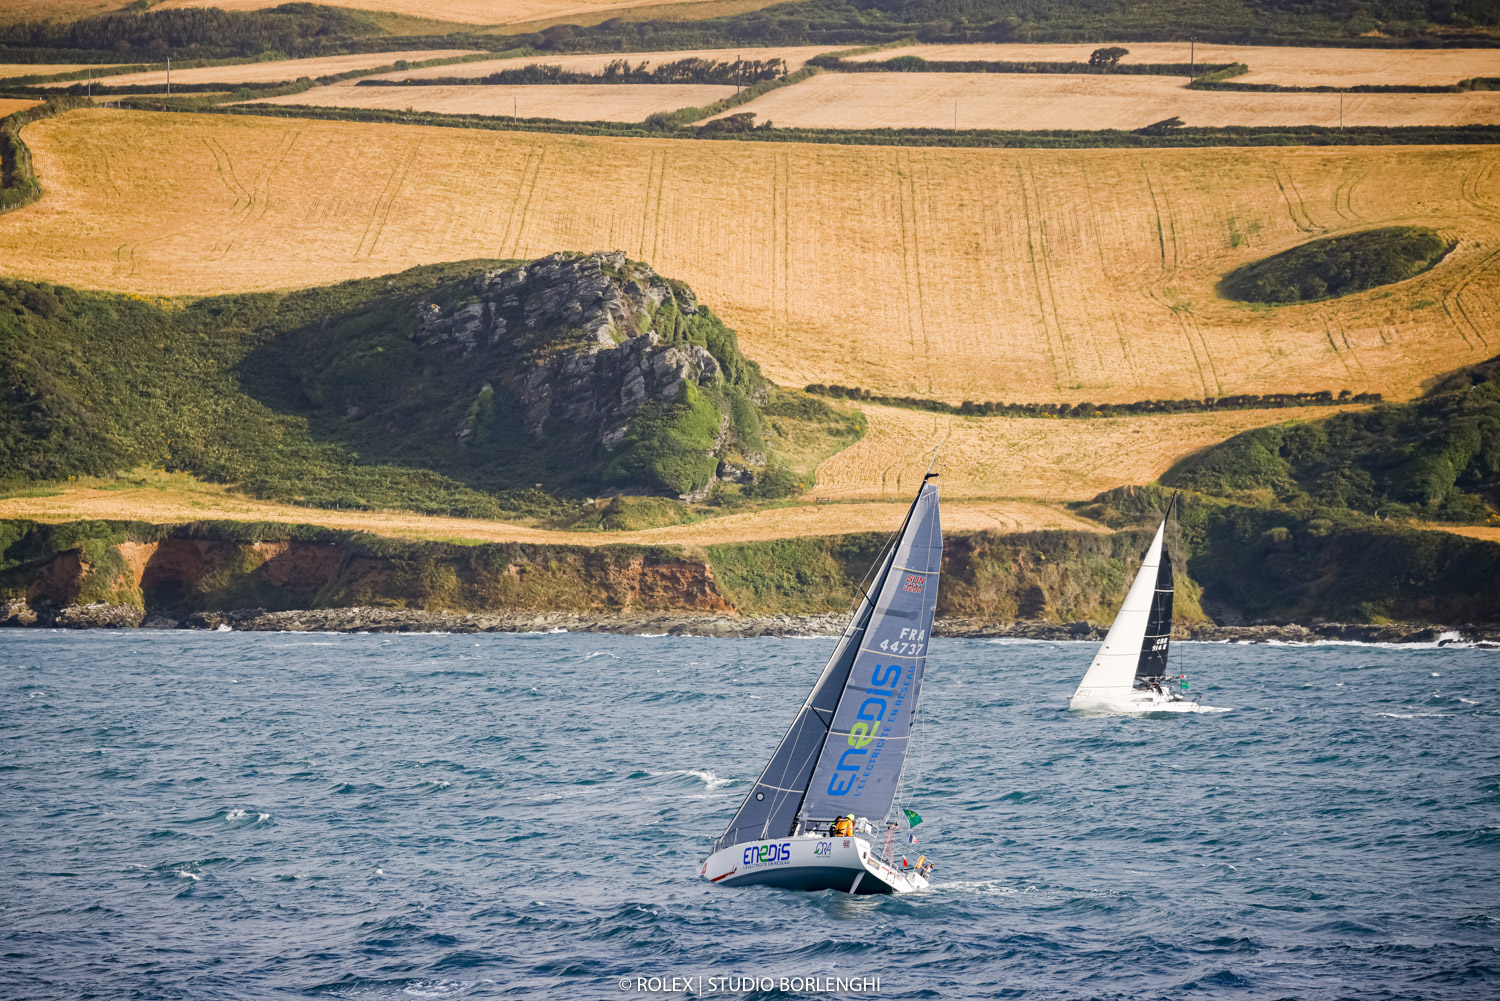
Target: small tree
1108 57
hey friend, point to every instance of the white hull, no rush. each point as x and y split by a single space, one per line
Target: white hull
1128 700
810 862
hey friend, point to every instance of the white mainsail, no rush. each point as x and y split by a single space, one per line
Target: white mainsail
1136 645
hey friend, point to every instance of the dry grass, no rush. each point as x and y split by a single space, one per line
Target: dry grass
570 102
1484 533
796 57
10 105
1290 64
12 11
1079 101
1019 275
1034 458
178 498
274 71
512 12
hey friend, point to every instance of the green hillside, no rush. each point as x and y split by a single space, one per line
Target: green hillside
425 390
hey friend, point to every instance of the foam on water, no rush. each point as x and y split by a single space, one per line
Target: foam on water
493 816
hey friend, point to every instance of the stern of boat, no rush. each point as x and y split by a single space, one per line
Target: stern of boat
810 863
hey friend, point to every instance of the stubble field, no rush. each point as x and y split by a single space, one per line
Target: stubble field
1032 458
1080 101
600 102
1018 275
272 71
1289 65
186 501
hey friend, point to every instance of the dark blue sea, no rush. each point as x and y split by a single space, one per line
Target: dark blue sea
262 816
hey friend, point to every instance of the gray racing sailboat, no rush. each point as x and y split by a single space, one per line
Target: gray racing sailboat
844 753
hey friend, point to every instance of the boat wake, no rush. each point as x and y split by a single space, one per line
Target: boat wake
1164 708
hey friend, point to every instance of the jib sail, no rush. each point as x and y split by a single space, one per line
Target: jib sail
844 751
1138 641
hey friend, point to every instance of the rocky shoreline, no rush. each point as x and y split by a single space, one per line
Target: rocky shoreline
389 620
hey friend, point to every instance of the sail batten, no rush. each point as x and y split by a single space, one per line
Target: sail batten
844 751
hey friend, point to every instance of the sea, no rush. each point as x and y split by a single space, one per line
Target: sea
231 815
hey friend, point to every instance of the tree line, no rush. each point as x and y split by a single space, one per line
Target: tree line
744 72
969 408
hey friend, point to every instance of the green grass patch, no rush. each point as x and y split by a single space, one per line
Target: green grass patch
1337 266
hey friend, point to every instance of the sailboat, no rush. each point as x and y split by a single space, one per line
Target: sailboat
845 752
1129 673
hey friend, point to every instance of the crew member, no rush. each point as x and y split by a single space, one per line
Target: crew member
844 827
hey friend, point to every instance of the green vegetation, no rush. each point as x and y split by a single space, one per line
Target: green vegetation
324 397
968 408
916 64
1337 265
706 71
840 22
800 576
1437 458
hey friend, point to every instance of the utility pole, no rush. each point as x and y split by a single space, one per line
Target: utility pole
1341 111
955 115
739 74
515 110
1192 55
169 76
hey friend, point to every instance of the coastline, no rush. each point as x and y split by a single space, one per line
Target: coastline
393 620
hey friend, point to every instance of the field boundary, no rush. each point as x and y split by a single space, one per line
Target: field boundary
19 186
917 64
669 126
1082 411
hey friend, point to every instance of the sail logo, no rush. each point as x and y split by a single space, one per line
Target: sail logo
823 848
768 854
914 583
871 714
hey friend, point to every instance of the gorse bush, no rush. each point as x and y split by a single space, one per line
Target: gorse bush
1337 265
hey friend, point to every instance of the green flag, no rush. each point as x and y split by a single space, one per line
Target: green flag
913 818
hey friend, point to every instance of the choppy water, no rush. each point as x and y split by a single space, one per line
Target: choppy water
191 815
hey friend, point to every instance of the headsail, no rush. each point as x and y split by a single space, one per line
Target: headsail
1138 641
845 750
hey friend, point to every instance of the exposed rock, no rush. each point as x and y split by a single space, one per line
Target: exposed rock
15 612
584 327
99 615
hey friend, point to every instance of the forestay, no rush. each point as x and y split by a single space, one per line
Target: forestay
845 750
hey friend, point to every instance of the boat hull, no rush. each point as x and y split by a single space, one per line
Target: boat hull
810 863
1127 700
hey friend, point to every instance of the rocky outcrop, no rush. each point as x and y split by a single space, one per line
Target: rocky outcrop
584 327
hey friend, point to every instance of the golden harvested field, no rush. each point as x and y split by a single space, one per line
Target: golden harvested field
594 102
200 501
10 105
1033 458
796 57
1291 65
274 71
1019 275
12 11
513 11
1081 101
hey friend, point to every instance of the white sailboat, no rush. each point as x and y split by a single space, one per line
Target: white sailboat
845 751
1129 673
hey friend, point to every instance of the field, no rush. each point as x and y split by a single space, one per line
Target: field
1078 101
570 102
795 56
515 11
187 501
273 71
1291 65
10 105
12 11
1018 275
1033 458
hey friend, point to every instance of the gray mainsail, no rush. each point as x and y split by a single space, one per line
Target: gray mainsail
845 750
